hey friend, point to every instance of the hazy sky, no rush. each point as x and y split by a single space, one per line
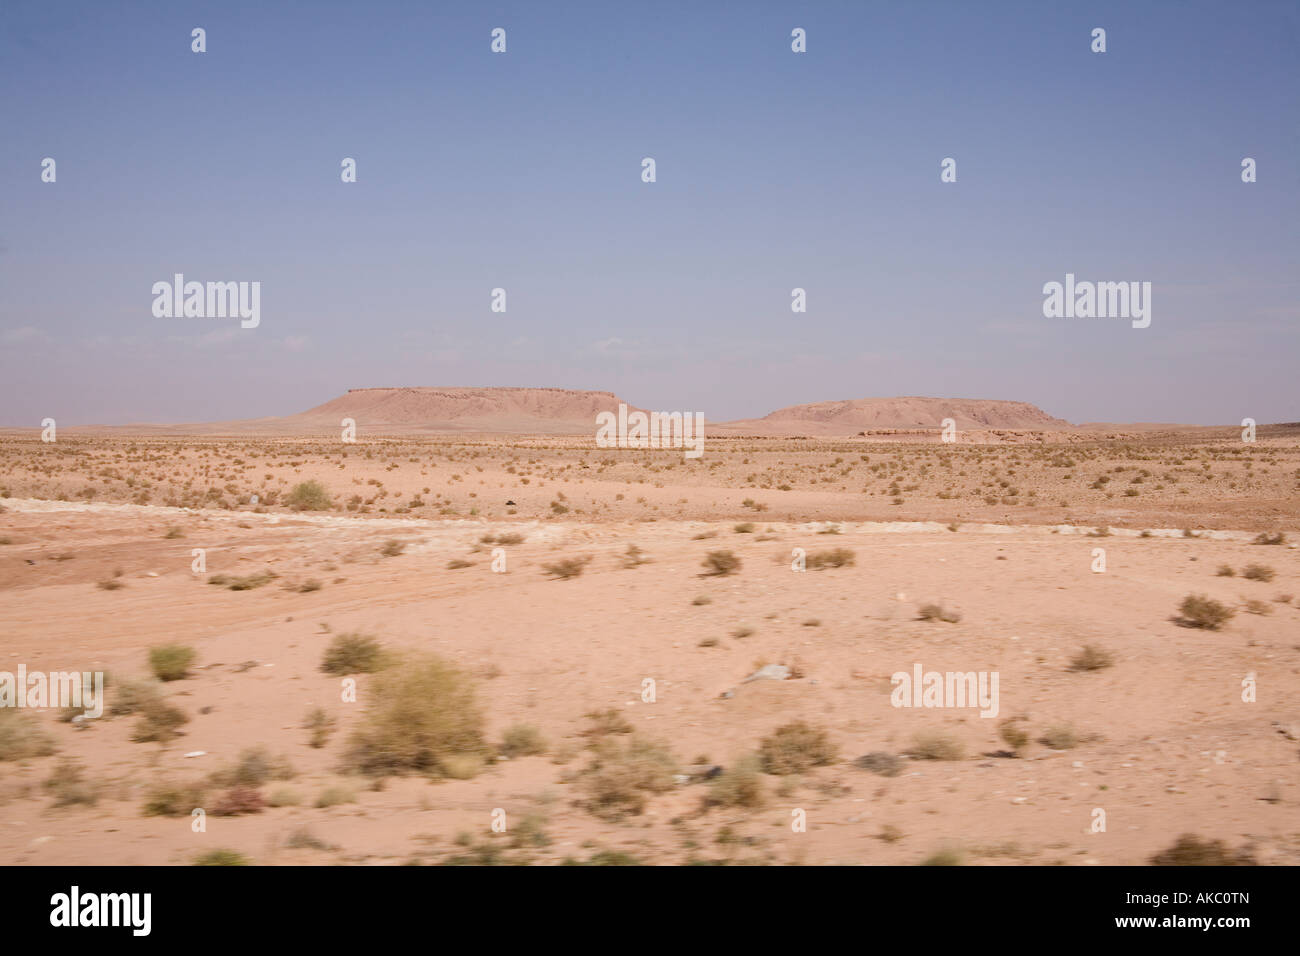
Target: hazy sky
775 170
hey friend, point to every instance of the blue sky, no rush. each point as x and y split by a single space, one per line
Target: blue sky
775 170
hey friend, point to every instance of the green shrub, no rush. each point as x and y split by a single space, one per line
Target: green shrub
171 661
308 496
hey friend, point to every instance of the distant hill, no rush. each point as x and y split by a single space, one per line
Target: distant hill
555 411
865 414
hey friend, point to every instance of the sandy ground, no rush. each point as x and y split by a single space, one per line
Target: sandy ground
1164 742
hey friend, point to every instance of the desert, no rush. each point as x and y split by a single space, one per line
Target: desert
437 646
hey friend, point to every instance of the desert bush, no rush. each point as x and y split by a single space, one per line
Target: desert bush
606 722
566 568
308 496
936 612
1265 537
946 857
1091 658
1059 737
1225 571
456 564
634 557
1191 850
936 746
238 802
745 527
1200 611
69 786
424 714
333 796
701 600
522 740
168 800
835 558
254 767
1258 572
221 858
1256 606
159 721
794 748
22 737
881 762
740 785
1013 734
321 724
171 661
720 563
352 653
621 774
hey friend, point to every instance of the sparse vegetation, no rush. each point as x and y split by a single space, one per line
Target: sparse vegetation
171 661
795 747
721 563
352 654
1197 610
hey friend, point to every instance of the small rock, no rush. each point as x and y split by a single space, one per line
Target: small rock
770 672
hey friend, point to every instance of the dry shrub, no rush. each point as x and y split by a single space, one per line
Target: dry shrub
424 714
1197 610
721 563
352 653
794 748
622 773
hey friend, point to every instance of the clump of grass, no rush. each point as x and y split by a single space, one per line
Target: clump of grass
745 527
1013 734
1091 658
174 532
333 796
634 557
622 773
392 548
424 715
111 584
159 721
171 661
1225 571
739 786
221 858
1266 537
321 724
606 722
936 612
702 599
795 748
721 563
946 857
936 746
254 767
1197 610
1256 606
308 496
456 564
1258 572
1059 737
742 632
835 558
69 786
1191 850
22 737
567 568
169 800
238 802
311 584
352 653
522 740
881 762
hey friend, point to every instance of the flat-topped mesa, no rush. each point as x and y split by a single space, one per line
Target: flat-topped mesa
851 416
489 409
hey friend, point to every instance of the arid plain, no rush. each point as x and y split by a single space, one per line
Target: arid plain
551 643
